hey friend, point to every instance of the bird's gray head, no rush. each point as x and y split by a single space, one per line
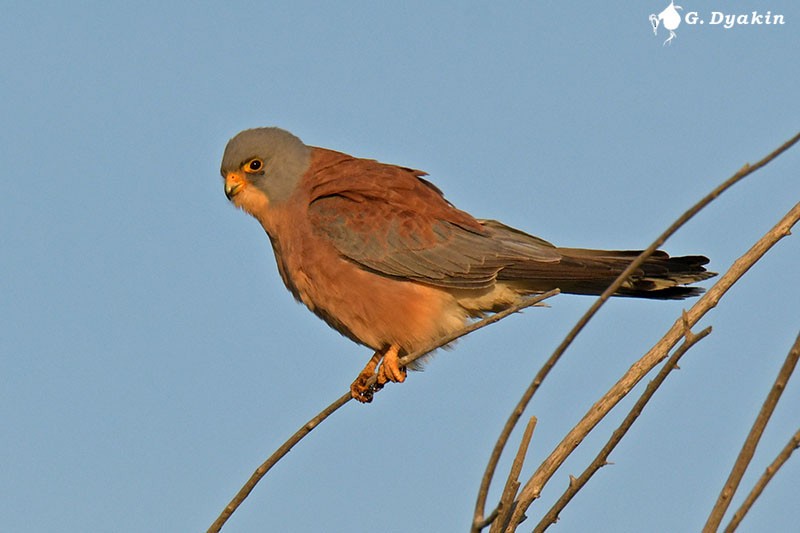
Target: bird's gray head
269 160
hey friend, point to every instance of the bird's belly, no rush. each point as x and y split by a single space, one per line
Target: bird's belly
375 310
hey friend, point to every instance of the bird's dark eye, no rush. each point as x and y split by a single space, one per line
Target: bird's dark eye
254 165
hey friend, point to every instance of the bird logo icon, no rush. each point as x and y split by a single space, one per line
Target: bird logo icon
669 18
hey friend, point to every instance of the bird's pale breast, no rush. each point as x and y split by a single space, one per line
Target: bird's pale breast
370 308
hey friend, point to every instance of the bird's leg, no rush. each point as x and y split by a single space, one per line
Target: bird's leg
359 389
390 369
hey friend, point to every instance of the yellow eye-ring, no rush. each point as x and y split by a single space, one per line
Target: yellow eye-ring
253 166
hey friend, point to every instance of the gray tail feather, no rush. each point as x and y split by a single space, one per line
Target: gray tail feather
583 271
660 277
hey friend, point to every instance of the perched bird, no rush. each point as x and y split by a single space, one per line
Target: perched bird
377 252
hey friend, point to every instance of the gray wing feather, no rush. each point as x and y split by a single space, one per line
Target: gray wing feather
437 252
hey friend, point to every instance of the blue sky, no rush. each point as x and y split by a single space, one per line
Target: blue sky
152 358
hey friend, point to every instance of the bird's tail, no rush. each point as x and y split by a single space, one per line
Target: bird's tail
537 266
660 276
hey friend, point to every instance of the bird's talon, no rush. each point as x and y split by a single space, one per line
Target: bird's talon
390 369
359 389
360 392
394 374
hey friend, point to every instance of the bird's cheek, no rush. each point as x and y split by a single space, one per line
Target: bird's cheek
251 200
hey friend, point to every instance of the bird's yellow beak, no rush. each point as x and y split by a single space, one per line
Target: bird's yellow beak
234 182
243 194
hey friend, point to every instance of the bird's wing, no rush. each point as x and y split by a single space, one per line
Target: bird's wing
389 220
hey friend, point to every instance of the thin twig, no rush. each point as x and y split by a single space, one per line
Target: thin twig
576 484
506 504
765 478
325 413
644 365
751 442
505 434
273 459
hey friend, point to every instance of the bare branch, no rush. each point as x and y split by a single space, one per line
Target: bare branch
261 471
751 442
765 478
655 355
506 505
505 434
273 459
576 484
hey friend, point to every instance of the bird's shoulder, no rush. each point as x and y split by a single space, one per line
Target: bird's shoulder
341 185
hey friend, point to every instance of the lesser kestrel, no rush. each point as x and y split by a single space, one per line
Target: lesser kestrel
377 252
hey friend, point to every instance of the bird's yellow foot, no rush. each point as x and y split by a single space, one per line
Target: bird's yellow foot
390 369
360 389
